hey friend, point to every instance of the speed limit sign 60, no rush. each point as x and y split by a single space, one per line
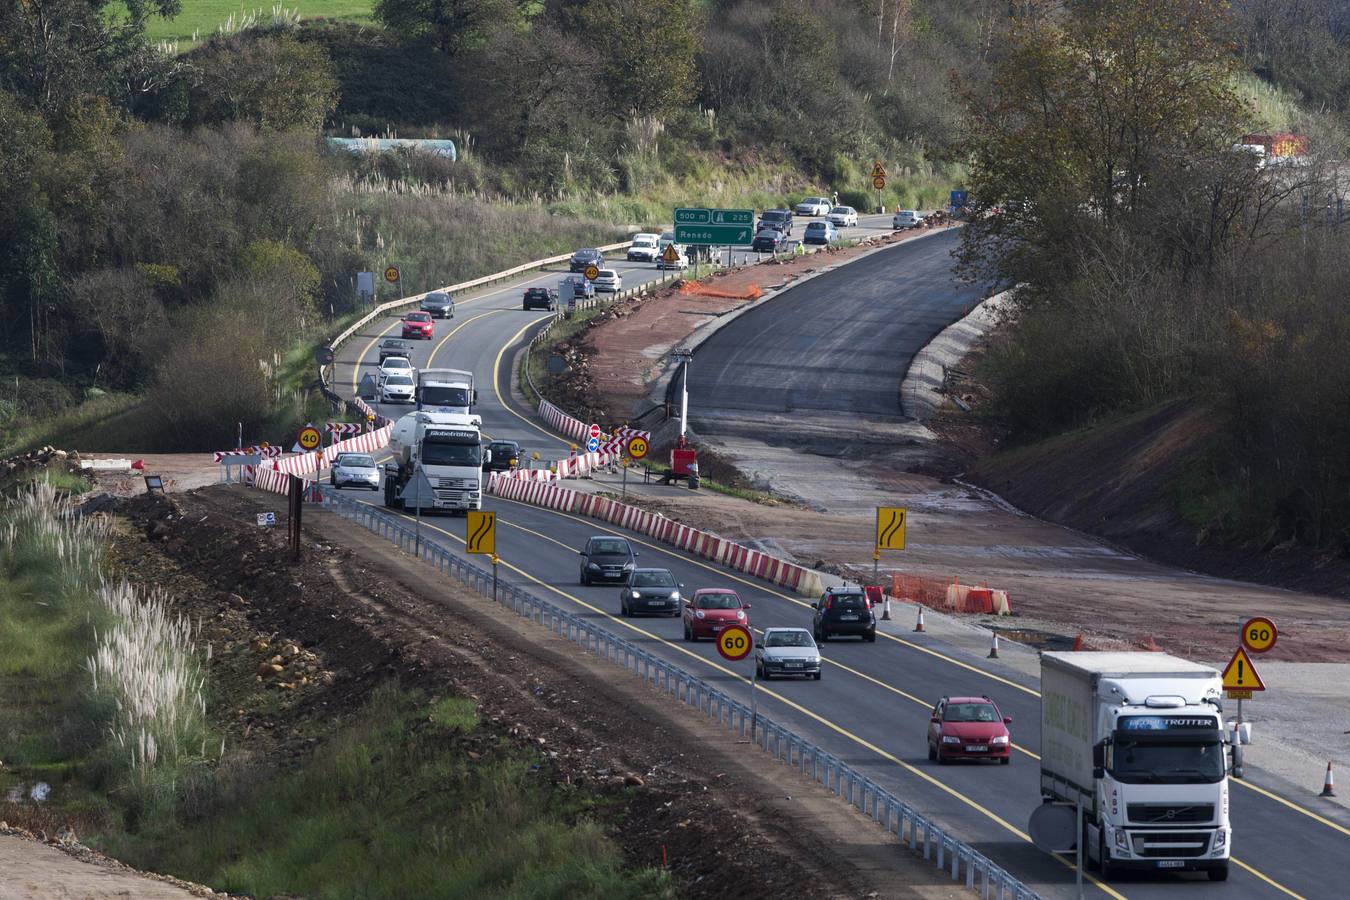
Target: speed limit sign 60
1259 634
735 642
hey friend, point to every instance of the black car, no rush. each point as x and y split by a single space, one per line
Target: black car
651 591
395 347
768 240
780 219
541 297
439 304
606 558
843 611
586 257
505 456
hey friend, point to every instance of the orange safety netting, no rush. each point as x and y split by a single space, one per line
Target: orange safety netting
693 287
951 596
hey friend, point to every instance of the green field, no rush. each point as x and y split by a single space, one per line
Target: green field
201 18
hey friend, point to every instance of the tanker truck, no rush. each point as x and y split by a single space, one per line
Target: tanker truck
1138 739
448 449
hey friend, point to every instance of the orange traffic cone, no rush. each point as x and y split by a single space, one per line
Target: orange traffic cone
1078 642
1328 785
919 625
993 647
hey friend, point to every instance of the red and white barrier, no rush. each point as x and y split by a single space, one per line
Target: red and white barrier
255 450
341 428
310 463
701 543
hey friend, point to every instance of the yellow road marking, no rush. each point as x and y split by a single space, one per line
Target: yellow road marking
890 757
1267 880
356 369
1292 805
454 331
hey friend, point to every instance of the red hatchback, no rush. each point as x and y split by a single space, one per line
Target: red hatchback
969 728
712 609
418 325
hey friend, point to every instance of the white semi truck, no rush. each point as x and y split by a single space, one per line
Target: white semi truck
1139 739
448 449
446 391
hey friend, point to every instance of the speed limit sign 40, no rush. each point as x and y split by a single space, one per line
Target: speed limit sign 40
1259 634
735 643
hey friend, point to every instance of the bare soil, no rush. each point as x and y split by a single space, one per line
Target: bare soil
355 612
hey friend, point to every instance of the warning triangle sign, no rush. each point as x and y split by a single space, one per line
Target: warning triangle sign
877 170
1240 674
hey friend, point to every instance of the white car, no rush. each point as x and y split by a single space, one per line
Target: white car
395 365
843 216
906 218
813 206
397 388
644 248
356 470
608 282
682 258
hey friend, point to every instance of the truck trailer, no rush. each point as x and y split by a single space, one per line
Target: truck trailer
1138 739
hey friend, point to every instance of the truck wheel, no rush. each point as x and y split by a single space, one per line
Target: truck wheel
1219 874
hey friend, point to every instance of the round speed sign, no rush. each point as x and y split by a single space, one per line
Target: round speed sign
735 642
1259 634
637 446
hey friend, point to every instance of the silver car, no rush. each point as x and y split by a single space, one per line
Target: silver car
787 651
397 388
355 470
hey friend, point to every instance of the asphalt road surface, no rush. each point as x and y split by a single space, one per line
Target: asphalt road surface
871 706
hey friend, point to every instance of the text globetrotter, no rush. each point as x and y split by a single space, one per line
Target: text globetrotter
735 643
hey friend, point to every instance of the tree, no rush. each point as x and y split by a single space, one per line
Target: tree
1094 111
272 81
453 26
648 49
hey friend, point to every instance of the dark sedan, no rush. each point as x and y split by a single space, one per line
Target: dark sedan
768 240
651 591
439 305
586 257
505 456
606 558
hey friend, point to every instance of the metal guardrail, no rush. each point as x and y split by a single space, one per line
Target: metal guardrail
919 832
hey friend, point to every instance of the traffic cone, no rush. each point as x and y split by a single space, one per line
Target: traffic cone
886 610
919 625
993 647
1151 645
1328 785
1078 642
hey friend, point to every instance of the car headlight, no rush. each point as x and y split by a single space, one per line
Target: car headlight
636 595
595 566
628 565
740 615
698 614
950 739
674 595
813 660
1000 739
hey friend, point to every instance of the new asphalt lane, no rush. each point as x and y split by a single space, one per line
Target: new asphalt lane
872 704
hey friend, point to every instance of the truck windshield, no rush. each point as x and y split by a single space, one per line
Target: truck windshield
1144 762
439 453
441 395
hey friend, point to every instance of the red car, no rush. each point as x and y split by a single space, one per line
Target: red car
969 728
712 609
418 325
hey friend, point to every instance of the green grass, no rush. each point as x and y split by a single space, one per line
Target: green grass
394 806
202 18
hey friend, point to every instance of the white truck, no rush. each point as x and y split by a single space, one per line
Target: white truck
447 391
1139 739
445 447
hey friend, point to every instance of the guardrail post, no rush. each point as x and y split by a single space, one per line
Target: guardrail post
927 836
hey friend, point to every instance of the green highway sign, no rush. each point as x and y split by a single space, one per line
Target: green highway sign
723 235
700 216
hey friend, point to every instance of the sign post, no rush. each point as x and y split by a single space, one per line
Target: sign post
735 643
879 182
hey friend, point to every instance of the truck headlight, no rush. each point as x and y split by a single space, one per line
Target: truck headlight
1122 840
950 739
1220 838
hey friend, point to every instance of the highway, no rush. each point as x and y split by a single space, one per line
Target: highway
871 707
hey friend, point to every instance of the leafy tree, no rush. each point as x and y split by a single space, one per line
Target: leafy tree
648 49
272 81
453 26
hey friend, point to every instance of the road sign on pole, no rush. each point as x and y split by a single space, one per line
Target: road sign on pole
1241 675
735 643
593 444
1259 634
481 532
592 272
959 199
309 437
391 274
637 446
593 431
730 227
891 527
878 170
878 181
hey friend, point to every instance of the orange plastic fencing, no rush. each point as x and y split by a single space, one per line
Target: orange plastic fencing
693 287
950 595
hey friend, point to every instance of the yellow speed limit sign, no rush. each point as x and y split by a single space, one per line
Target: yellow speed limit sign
391 274
637 446
309 438
735 642
592 272
878 181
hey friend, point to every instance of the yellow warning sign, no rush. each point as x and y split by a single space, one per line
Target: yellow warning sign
1240 674
482 532
671 255
890 528
878 171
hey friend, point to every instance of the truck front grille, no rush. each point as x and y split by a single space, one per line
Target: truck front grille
1170 844
1169 813
458 484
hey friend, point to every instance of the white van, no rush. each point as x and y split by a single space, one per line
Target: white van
645 247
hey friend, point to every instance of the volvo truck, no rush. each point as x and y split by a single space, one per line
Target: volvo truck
446 448
1138 739
448 391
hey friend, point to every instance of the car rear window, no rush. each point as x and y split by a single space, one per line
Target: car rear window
788 639
970 712
850 602
418 317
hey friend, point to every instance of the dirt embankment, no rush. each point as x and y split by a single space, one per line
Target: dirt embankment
298 644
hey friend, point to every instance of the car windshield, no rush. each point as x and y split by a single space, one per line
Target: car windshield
653 579
609 547
439 453
404 380
607 273
643 241
442 395
352 461
971 712
397 362
668 237
437 299
503 447
848 602
719 601
585 254
1167 763
788 639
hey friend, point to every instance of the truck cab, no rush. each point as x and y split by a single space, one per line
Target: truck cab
448 391
446 448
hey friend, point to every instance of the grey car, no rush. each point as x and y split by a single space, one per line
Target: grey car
355 470
439 304
651 591
606 558
787 651
395 347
